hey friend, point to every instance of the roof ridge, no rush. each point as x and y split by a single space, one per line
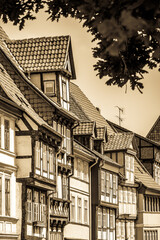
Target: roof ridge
36 38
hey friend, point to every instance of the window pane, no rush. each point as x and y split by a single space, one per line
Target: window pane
64 91
79 210
49 87
99 217
6 134
73 208
7 197
102 181
37 154
85 211
44 158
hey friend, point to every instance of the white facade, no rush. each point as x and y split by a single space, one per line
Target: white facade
9 189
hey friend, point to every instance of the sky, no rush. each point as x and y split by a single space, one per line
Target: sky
140 111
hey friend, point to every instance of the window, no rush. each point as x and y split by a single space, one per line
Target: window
29 205
7 197
151 204
6 134
49 87
36 205
5 194
106 223
85 171
79 168
109 187
64 90
73 209
150 235
129 168
68 139
79 212
45 162
102 182
127 200
85 211
64 190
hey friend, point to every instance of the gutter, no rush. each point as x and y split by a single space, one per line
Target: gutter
90 206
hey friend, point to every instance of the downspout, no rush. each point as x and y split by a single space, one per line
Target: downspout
90 206
48 198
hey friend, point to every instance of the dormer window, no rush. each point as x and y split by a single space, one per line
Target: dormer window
45 81
49 80
49 87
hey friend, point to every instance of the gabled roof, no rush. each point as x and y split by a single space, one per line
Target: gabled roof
85 128
8 54
144 177
154 133
88 108
119 141
42 54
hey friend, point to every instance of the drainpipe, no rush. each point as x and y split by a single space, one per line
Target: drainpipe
90 206
48 199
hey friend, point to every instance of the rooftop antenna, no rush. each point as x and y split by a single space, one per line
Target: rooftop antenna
120 110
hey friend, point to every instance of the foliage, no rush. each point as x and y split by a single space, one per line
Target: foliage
127 31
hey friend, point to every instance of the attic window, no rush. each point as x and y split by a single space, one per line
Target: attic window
49 87
49 81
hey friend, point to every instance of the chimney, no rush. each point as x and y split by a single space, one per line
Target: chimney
98 109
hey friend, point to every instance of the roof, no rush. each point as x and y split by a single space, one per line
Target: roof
75 108
80 147
144 177
154 133
106 158
122 129
13 61
101 133
87 108
13 93
3 34
84 128
41 54
119 141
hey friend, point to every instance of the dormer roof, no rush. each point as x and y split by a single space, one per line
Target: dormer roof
119 141
43 54
85 128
